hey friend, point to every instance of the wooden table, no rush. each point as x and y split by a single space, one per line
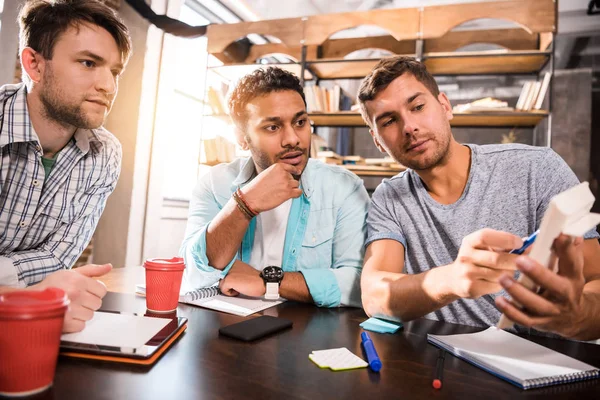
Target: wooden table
203 365
123 280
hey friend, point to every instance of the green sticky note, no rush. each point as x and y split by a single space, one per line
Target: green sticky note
381 326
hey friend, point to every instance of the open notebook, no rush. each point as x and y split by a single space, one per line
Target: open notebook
210 298
514 359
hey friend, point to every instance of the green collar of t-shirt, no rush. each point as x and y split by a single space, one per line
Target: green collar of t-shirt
48 164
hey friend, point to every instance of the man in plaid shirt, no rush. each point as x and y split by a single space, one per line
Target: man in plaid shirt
57 164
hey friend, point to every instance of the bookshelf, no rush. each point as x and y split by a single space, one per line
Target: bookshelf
426 33
479 119
456 63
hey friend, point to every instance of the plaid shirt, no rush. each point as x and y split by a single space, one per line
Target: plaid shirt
45 224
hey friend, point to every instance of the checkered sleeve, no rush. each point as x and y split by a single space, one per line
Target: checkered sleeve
62 249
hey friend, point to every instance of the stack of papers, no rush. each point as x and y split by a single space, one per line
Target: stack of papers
337 359
483 105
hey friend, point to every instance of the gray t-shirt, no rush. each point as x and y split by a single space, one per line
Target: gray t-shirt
509 188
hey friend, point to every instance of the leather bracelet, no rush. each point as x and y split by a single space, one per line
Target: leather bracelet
241 196
240 204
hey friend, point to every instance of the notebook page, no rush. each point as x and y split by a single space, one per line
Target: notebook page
511 355
239 305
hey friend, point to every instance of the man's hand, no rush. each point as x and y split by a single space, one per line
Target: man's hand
559 307
481 261
84 292
242 279
272 187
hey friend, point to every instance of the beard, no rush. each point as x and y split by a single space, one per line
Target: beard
421 163
58 109
263 161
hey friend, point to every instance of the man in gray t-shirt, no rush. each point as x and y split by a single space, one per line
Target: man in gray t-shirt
508 189
439 233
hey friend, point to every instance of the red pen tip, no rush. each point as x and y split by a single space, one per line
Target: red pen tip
437 384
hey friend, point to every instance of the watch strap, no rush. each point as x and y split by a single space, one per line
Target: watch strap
272 290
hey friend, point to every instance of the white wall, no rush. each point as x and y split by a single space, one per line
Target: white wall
118 237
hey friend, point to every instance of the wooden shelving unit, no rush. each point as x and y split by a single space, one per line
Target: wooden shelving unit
455 63
486 62
426 33
234 71
491 119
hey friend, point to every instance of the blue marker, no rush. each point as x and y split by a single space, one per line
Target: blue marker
528 242
372 357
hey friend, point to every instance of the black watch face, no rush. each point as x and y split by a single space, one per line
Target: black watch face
272 274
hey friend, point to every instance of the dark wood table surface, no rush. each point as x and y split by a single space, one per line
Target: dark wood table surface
203 365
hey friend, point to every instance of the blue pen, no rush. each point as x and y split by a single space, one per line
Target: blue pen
372 357
528 242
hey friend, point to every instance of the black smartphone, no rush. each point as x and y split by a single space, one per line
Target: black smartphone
255 328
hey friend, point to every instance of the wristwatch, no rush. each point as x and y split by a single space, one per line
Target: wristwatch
272 276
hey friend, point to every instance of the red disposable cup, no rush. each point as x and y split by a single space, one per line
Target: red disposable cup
31 323
163 281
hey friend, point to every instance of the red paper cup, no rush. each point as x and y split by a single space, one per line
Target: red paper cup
163 281
31 323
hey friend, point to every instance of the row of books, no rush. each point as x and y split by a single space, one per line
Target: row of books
217 150
320 99
331 157
533 94
483 105
216 101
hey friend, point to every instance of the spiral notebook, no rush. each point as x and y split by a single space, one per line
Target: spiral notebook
523 363
211 298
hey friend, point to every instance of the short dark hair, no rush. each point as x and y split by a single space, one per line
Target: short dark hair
385 72
259 83
42 22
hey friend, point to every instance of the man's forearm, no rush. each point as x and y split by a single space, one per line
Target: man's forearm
293 287
406 297
224 235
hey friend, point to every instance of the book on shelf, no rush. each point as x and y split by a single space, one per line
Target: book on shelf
316 144
320 99
523 95
217 150
385 161
543 90
533 94
329 157
356 160
216 102
487 104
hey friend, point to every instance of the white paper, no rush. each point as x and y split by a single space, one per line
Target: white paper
337 359
239 305
117 330
510 355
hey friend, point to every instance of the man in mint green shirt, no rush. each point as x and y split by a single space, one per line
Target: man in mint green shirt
276 208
